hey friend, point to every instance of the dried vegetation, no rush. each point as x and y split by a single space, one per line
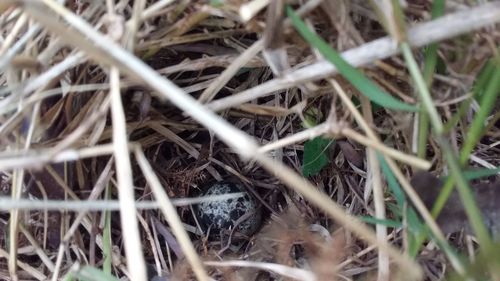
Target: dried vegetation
207 91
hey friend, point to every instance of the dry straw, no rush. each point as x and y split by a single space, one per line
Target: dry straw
90 44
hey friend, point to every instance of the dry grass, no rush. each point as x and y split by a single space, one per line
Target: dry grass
133 106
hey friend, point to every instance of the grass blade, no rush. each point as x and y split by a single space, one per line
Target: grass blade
386 222
476 130
431 59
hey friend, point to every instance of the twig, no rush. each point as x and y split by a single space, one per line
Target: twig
335 130
374 183
9 55
99 205
301 136
28 268
250 9
287 271
34 158
170 213
133 23
130 226
391 152
158 5
210 92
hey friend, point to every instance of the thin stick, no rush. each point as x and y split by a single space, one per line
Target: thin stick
374 181
291 272
158 5
335 130
99 205
133 23
170 213
391 152
250 9
17 184
296 138
129 223
26 267
34 158
210 92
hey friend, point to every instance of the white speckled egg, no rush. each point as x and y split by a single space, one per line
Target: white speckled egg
222 215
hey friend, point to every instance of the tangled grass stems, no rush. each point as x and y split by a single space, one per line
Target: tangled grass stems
64 139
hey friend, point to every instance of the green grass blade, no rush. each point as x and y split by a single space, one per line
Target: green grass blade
422 88
488 101
386 222
430 62
88 273
462 110
448 187
392 182
483 78
354 76
473 213
481 173
486 86
417 231
478 90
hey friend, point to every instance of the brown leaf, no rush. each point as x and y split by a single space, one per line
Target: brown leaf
351 154
453 217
